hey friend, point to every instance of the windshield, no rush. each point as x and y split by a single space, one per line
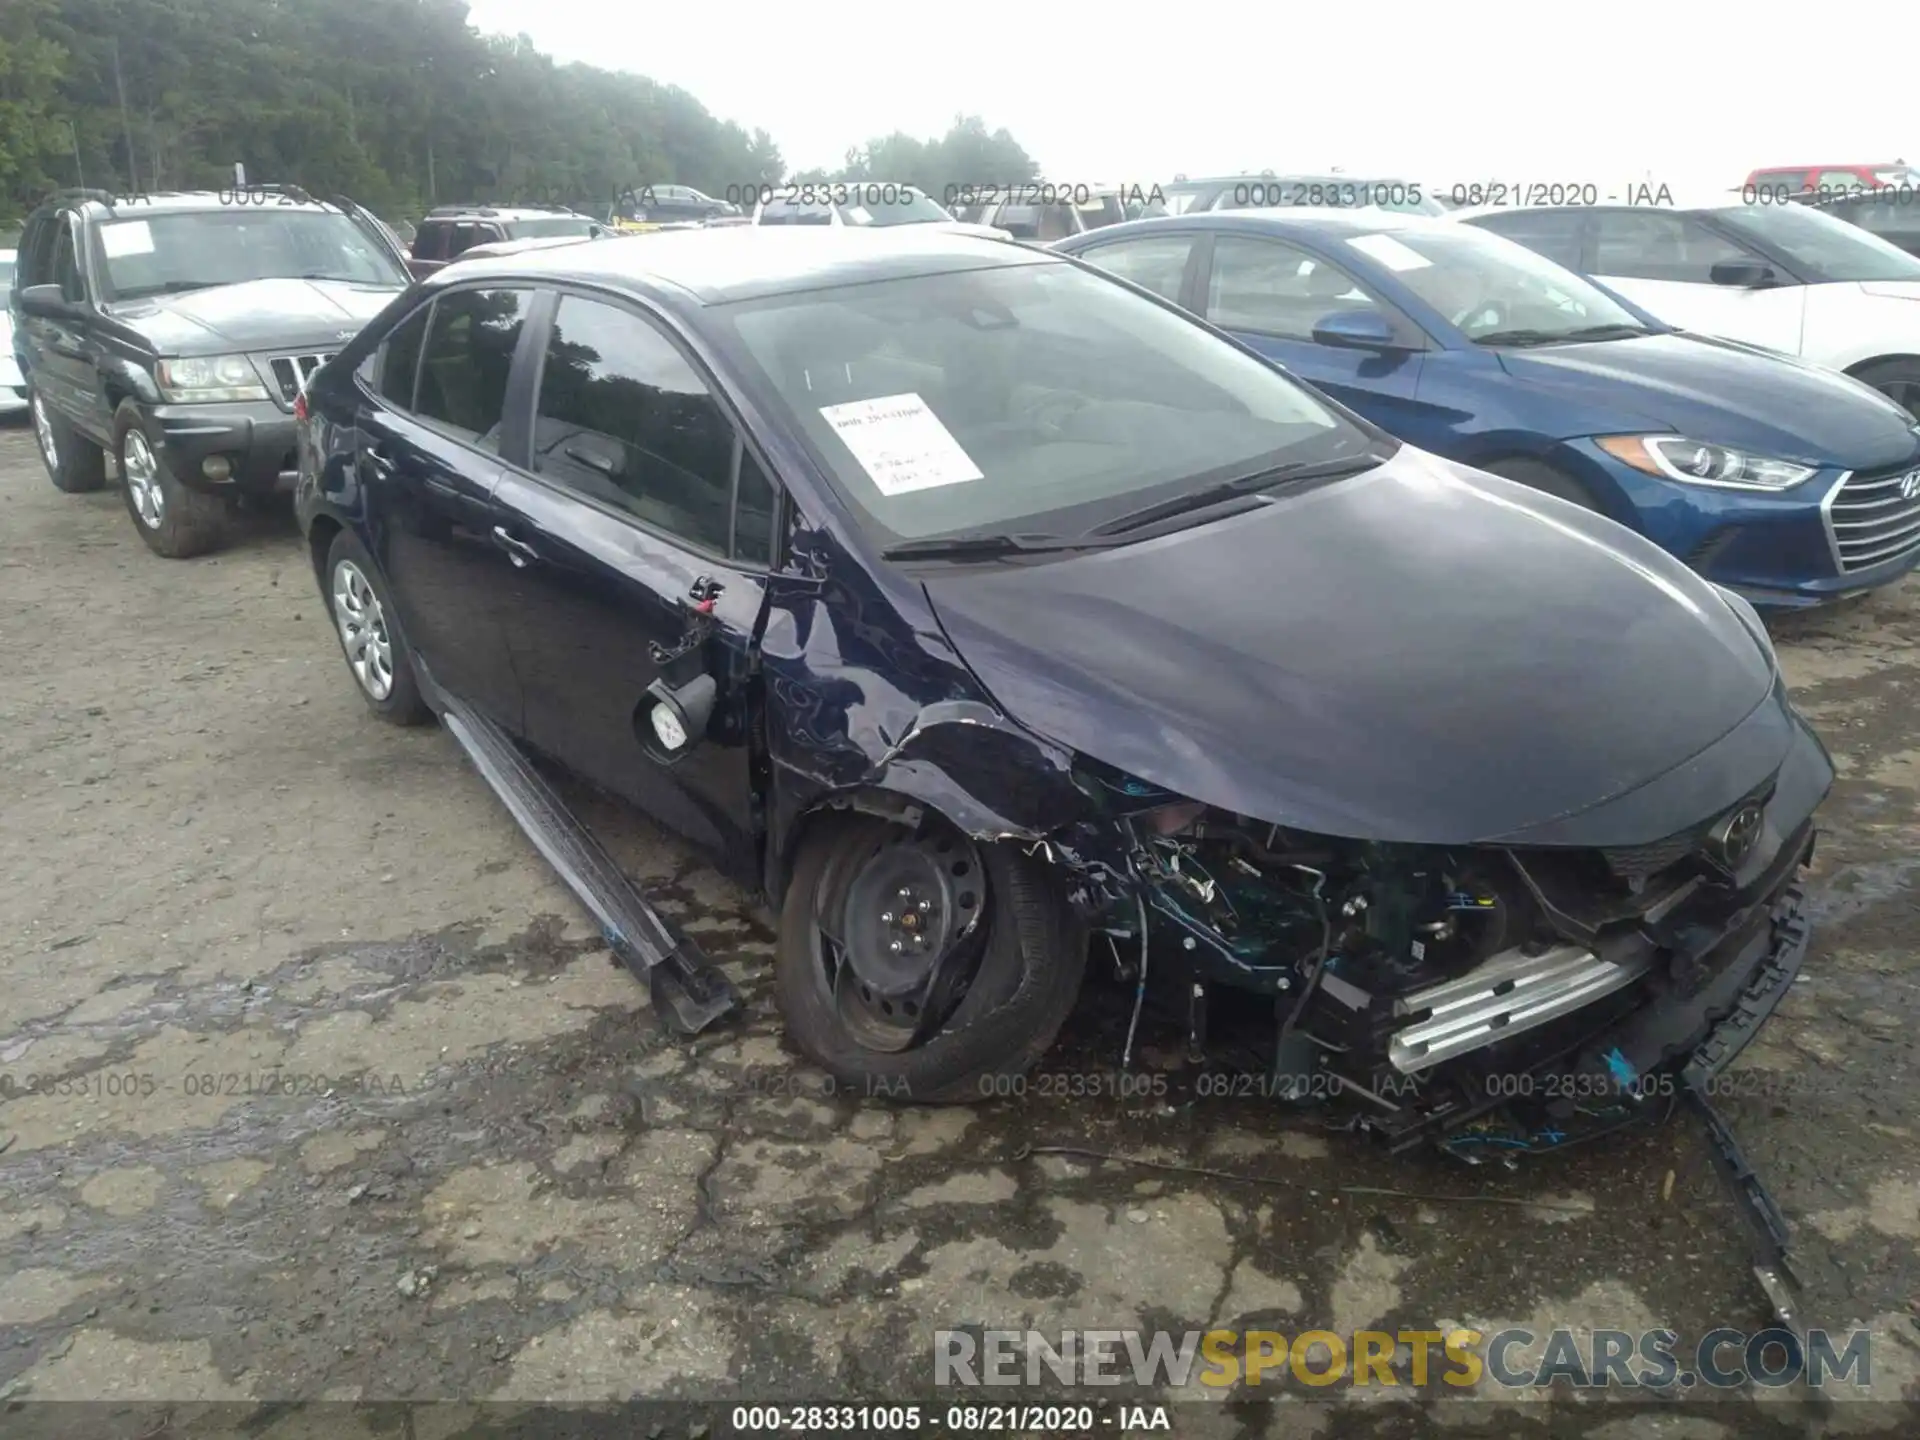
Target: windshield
1489 287
1814 241
890 205
988 399
557 225
193 250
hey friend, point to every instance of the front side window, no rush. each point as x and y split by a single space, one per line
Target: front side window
993 397
469 354
1821 247
1495 291
1273 289
1158 264
625 419
162 253
1648 244
430 240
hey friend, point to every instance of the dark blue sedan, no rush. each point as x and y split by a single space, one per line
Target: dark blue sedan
995 620
1789 483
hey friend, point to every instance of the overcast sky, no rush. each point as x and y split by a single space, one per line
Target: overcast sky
1693 95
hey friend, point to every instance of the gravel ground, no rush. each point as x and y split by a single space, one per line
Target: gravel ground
352 1103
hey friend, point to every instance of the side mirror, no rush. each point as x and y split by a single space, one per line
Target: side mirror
1356 330
1744 274
46 301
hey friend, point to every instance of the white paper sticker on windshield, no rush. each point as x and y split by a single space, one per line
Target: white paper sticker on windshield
1390 252
128 237
858 215
901 443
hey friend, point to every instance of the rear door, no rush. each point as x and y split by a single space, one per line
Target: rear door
432 423
1663 260
634 493
64 348
1271 295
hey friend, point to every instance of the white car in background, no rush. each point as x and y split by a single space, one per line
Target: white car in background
13 388
860 203
1784 277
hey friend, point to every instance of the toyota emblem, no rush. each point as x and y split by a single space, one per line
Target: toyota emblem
1910 485
1733 839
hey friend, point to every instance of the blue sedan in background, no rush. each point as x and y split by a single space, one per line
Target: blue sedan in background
1786 482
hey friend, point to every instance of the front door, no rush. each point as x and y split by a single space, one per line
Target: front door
635 491
1663 262
429 462
1271 295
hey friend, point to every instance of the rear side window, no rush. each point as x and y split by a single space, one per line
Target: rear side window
624 419
1545 232
430 240
469 352
400 359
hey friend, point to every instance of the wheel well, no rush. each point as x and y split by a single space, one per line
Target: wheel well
320 540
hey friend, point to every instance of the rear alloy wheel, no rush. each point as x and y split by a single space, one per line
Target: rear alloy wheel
914 963
176 522
1898 380
75 465
370 635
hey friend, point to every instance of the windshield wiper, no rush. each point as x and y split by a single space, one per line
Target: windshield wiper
172 287
1259 480
1521 337
1623 330
982 547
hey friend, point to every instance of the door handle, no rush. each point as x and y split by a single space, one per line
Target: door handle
379 464
518 551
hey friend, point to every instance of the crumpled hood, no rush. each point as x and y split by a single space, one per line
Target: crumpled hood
1724 393
1422 653
256 315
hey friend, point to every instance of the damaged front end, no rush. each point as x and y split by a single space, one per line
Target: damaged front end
1485 997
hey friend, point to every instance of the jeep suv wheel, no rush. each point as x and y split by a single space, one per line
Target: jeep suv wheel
74 463
174 521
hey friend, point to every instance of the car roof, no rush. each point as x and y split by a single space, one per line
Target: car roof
714 267
1287 220
176 202
502 212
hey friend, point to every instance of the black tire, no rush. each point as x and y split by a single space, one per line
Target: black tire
402 703
1032 959
177 523
1898 380
1548 479
74 463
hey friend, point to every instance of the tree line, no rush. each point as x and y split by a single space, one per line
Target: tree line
400 103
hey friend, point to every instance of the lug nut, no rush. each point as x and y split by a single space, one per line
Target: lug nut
926 904
886 917
894 947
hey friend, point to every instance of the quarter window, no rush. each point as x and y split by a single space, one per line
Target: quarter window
469 352
625 420
400 359
1643 244
1158 264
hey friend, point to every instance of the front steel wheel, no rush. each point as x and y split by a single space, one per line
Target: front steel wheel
918 964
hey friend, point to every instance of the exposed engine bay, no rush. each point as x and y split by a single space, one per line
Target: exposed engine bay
1445 992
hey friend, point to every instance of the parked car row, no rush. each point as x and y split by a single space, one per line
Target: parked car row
866 557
